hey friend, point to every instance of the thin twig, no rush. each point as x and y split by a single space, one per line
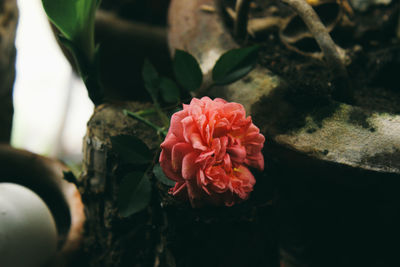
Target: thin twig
327 45
257 25
261 25
242 16
207 8
231 13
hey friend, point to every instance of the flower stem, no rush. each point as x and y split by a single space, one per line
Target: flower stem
145 112
145 121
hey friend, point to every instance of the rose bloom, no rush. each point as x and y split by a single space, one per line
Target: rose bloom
207 151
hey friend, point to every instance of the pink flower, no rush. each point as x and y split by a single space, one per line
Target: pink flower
208 148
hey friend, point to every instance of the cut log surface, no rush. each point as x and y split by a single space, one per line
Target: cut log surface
8 25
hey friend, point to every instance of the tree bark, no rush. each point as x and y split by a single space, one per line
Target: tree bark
109 239
8 25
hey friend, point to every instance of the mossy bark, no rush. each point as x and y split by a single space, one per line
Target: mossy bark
8 25
111 240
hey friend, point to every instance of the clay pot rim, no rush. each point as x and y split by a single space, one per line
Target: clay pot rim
48 173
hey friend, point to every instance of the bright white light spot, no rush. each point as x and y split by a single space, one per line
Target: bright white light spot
210 58
41 93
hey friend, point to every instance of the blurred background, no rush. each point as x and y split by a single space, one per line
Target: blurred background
50 101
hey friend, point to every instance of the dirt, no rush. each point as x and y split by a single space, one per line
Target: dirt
371 44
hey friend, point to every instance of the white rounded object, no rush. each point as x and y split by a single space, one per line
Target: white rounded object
28 233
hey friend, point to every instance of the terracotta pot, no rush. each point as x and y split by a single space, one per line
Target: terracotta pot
334 172
44 176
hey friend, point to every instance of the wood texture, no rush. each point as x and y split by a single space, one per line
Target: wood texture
109 239
8 24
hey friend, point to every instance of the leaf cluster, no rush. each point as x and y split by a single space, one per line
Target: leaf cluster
230 67
135 189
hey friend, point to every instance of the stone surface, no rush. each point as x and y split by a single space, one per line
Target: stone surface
363 5
338 133
334 167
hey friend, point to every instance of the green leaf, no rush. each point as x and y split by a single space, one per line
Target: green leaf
159 174
131 149
151 79
152 83
134 193
80 61
73 18
169 90
187 70
234 64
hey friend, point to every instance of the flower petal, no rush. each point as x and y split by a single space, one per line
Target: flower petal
176 125
165 163
242 181
189 165
178 152
188 128
197 142
255 162
169 142
178 189
237 153
208 148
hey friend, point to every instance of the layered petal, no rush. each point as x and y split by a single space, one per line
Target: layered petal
179 150
189 165
208 148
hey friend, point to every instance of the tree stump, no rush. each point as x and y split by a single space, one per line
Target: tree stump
8 25
168 232
111 240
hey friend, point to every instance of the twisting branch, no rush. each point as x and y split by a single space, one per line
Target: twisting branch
325 42
242 16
